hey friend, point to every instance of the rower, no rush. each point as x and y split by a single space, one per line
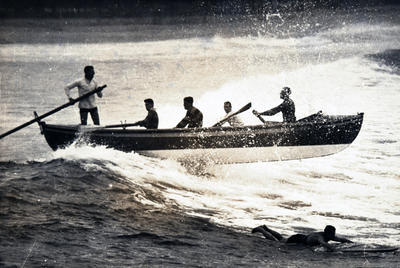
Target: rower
286 107
233 120
151 120
193 118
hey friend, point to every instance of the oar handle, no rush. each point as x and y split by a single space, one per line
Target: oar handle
259 116
261 119
97 90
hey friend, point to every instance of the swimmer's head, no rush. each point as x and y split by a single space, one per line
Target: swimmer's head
329 231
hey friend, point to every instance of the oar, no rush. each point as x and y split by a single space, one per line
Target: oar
241 110
260 117
37 119
123 125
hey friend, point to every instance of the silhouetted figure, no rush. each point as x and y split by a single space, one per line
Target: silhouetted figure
312 239
87 105
151 120
286 107
193 118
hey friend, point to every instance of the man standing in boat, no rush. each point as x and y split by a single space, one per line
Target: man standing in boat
193 118
286 107
87 105
151 120
233 121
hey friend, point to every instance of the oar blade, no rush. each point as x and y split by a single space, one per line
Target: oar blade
243 109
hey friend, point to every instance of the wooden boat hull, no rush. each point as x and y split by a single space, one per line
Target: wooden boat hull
309 137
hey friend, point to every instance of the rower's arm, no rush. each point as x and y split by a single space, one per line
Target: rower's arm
145 122
139 123
273 111
100 93
183 123
68 88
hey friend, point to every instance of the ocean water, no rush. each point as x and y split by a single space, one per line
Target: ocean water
85 199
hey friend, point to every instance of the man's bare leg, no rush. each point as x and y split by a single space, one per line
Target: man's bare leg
274 233
267 234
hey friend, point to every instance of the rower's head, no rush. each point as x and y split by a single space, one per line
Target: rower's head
148 103
329 232
89 72
285 92
188 102
227 107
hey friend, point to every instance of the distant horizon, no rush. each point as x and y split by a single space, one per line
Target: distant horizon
177 8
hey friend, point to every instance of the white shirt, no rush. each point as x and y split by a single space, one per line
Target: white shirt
84 86
234 121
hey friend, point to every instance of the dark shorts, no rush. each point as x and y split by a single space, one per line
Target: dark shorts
93 113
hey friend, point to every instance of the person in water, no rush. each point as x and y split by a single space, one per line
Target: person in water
87 105
151 120
312 239
233 121
193 118
286 107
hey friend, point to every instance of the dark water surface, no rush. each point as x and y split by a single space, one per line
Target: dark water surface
56 214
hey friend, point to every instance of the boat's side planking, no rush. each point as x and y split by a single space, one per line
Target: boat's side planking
276 141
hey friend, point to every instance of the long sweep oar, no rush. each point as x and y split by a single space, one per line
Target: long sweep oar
37 119
241 110
123 125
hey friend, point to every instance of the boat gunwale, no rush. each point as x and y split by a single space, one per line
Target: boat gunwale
227 129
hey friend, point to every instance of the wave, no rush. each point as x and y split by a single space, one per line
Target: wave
390 58
82 182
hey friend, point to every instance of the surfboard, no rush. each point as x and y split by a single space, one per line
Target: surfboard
373 250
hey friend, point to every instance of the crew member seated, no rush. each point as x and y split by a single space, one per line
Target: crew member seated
233 121
193 118
286 107
151 120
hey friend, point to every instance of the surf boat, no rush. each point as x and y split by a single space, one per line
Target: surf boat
313 136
